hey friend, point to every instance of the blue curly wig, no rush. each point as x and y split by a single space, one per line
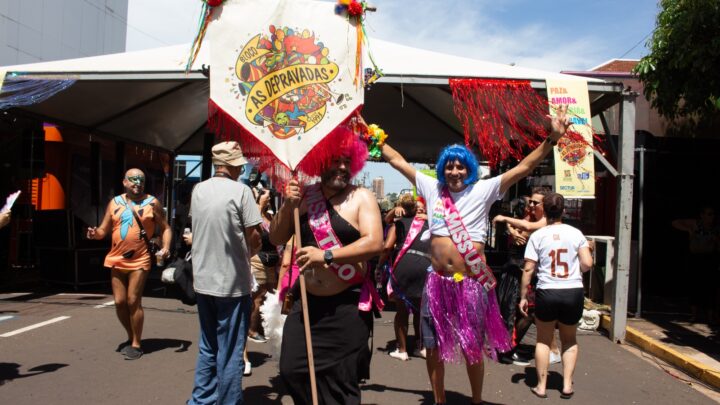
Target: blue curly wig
462 154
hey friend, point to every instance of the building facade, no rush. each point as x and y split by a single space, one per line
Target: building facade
43 30
378 188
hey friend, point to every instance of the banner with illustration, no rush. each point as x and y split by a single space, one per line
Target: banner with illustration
574 163
283 71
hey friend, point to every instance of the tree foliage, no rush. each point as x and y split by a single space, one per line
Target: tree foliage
681 75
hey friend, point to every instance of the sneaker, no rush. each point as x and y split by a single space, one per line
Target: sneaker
258 338
122 347
248 369
133 353
420 353
519 360
400 356
555 358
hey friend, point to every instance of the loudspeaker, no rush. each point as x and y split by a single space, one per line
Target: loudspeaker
76 267
32 159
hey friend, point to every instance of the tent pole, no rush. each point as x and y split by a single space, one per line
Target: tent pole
623 229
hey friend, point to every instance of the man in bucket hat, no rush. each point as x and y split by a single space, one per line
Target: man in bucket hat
226 233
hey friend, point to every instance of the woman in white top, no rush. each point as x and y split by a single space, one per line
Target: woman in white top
559 253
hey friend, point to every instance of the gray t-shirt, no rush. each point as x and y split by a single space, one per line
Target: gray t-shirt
221 209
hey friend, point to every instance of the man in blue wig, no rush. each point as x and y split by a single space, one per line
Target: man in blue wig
459 314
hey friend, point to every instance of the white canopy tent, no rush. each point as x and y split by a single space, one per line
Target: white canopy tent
146 98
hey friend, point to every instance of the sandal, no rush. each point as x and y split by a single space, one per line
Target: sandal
566 395
537 394
133 353
122 347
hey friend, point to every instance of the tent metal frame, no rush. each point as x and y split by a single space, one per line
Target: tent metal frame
608 95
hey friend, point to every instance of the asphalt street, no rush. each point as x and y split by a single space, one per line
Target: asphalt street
60 349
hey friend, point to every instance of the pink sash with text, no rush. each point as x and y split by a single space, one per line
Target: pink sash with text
319 221
461 238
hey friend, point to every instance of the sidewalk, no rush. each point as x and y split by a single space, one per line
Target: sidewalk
691 347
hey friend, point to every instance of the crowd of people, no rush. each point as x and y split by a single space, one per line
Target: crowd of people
432 247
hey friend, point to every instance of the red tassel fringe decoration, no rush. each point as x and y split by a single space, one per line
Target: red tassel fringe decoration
503 118
341 138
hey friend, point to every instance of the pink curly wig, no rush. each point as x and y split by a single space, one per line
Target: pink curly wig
343 142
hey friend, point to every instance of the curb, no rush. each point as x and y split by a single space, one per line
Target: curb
689 365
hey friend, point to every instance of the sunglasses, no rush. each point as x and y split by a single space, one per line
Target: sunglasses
533 203
136 179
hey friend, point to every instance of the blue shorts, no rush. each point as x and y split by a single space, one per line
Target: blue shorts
427 328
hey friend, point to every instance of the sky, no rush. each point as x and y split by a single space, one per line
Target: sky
549 35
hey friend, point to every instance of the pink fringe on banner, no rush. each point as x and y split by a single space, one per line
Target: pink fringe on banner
340 141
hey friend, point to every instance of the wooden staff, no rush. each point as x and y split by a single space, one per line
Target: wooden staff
303 297
306 317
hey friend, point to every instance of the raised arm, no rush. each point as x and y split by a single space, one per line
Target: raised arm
559 123
686 225
521 224
394 214
398 162
282 226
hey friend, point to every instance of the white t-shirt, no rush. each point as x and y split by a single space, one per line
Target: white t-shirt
555 250
473 204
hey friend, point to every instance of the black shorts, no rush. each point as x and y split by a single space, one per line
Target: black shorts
563 305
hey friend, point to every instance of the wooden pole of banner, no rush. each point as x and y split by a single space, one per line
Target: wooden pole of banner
303 298
306 317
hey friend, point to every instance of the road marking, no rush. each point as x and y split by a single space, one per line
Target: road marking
37 325
6 317
10 296
107 304
83 295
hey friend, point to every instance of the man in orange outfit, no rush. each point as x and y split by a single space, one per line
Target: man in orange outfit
129 258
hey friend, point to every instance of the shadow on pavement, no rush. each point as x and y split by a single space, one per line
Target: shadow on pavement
451 397
257 359
11 371
554 379
155 345
678 332
265 395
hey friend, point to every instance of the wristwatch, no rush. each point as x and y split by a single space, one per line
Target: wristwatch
328 256
550 141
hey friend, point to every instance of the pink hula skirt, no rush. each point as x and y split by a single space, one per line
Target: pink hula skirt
466 318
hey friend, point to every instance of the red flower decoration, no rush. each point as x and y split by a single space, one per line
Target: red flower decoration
214 3
355 8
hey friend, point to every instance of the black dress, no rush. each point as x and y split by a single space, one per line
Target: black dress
340 335
409 276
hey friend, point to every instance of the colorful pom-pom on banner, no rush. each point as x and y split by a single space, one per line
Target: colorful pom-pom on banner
356 10
375 138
